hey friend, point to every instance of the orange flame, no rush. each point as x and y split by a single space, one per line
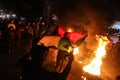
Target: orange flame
94 66
69 30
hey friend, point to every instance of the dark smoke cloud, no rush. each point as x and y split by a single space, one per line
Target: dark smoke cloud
92 15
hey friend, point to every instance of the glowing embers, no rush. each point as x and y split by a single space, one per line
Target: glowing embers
95 65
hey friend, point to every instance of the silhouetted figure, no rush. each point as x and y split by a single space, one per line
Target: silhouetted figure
35 41
31 63
67 69
38 53
67 55
32 69
12 35
60 60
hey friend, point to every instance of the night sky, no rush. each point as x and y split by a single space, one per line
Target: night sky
26 8
111 6
36 7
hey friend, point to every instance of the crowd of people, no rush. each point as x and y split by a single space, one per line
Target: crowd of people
25 35
21 33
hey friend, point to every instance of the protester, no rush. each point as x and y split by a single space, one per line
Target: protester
62 54
27 37
12 36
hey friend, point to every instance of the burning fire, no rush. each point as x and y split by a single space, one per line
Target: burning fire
94 66
69 30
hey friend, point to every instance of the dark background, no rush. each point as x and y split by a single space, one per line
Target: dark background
33 8
26 8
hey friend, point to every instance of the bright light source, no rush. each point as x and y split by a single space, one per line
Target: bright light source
116 25
69 30
13 15
8 16
75 51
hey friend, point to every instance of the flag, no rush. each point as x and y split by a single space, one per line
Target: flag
61 31
59 42
76 38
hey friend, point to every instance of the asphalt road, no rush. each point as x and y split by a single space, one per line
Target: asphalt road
9 70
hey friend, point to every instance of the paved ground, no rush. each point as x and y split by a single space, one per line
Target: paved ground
9 71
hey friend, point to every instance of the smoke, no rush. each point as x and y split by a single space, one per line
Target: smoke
85 17
88 18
